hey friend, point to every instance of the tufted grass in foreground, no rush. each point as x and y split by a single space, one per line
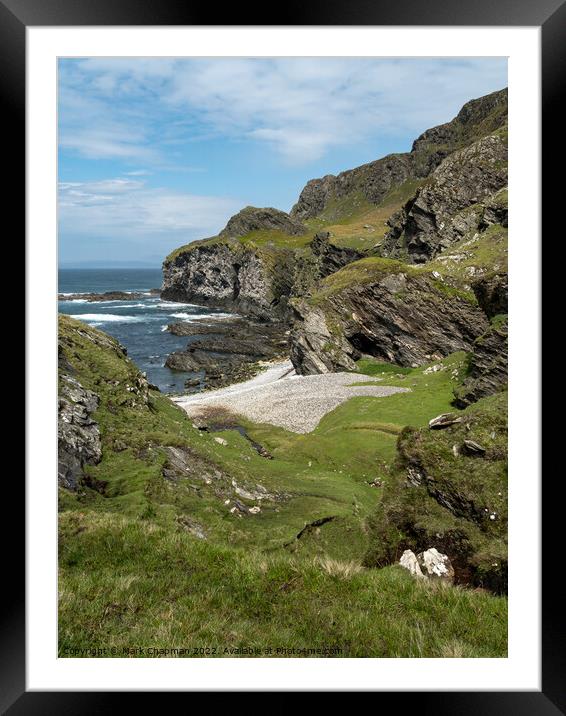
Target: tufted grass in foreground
130 583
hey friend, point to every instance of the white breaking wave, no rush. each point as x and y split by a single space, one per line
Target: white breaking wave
108 318
132 305
176 304
192 316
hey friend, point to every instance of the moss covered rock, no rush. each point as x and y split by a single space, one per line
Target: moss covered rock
441 494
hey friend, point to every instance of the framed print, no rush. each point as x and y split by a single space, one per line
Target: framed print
283 352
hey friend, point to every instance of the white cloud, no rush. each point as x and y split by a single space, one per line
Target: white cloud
123 208
300 107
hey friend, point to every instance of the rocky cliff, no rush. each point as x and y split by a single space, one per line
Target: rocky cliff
384 309
253 279
476 119
436 193
458 198
79 433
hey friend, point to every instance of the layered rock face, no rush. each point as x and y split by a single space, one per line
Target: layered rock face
448 206
400 317
227 274
78 433
230 276
489 357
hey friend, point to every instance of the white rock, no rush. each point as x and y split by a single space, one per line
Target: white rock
221 441
436 565
255 509
444 420
409 561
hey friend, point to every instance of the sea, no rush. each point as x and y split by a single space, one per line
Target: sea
140 324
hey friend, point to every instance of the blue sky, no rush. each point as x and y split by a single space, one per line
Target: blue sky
154 153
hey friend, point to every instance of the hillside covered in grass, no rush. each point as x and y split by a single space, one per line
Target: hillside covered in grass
229 536
161 541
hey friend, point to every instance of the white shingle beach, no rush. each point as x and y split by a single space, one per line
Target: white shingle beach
280 397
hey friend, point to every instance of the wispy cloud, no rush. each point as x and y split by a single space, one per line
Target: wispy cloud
125 208
152 149
299 107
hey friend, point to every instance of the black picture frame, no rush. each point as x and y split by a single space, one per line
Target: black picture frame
15 17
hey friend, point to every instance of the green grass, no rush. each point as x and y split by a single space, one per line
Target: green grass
131 572
347 218
486 252
344 218
460 501
359 272
125 584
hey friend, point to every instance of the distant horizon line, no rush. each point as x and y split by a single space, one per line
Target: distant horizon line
117 265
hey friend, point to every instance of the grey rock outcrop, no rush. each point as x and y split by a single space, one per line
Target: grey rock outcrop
224 275
314 348
78 433
487 372
400 317
331 258
448 206
252 218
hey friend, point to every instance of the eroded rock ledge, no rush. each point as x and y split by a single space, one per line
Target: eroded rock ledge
222 352
402 316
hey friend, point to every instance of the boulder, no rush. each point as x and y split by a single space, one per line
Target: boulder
445 420
436 565
410 562
471 447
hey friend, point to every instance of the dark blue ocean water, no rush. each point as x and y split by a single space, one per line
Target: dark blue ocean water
138 324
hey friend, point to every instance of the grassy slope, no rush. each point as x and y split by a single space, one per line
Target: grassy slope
462 504
130 572
345 218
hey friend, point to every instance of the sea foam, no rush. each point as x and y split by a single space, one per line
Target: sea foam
107 318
